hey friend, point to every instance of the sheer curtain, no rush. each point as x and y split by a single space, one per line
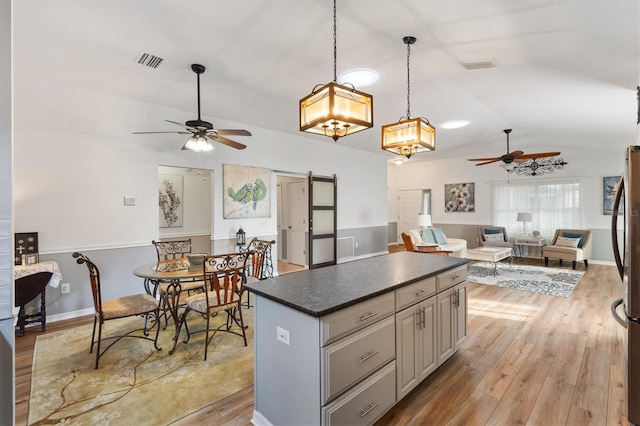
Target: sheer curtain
553 203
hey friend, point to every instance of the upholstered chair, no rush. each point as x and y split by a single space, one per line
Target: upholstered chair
569 244
493 236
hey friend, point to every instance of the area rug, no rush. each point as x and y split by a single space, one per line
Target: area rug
551 281
135 384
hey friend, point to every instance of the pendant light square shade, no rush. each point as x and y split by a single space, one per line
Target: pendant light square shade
335 110
409 137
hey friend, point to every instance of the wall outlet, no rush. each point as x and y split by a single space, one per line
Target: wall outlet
65 288
283 335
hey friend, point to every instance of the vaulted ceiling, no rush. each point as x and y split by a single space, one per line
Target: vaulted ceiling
566 71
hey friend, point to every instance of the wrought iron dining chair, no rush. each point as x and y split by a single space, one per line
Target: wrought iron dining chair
172 257
224 277
143 305
259 264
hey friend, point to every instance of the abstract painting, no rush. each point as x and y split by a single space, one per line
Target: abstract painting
247 191
170 200
459 197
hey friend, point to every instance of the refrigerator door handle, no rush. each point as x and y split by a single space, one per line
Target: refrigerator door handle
614 312
614 227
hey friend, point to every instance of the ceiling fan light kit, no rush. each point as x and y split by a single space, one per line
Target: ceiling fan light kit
409 136
333 109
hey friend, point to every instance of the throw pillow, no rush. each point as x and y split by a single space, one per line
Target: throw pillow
427 237
416 237
571 235
438 235
492 231
567 242
494 237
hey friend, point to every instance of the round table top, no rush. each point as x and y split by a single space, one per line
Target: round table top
148 270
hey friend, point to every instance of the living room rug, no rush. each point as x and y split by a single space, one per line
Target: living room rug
551 281
135 384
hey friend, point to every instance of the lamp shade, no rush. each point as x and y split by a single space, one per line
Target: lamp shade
424 220
335 111
524 217
409 137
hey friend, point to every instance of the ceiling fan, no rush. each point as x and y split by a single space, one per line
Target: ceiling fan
202 131
513 157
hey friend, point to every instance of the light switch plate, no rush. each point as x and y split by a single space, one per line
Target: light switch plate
129 200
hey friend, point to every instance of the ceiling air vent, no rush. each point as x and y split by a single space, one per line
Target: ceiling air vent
149 60
480 64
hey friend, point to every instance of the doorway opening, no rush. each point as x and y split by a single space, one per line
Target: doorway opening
292 223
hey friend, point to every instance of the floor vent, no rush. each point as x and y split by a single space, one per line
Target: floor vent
149 60
345 247
480 64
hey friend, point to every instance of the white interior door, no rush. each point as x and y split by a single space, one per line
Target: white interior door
297 192
409 207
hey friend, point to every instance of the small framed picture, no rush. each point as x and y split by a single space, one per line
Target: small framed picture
30 259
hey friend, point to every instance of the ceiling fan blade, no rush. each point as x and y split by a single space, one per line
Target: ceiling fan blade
233 132
175 132
515 154
540 155
484 159
226 141
191 129
489 162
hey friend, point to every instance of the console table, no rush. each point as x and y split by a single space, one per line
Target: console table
521 242
31 281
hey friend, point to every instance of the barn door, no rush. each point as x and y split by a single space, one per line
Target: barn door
322 221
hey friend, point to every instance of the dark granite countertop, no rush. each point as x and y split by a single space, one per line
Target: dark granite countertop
318 292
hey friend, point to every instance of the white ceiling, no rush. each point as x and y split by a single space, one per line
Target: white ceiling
567 72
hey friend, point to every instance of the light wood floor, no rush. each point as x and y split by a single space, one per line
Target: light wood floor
529 359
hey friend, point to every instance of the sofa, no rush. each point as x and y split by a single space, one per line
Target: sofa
435 237
569 244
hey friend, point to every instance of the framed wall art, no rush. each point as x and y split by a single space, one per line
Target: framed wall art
609 186
170 200
26 244
459 197
247 191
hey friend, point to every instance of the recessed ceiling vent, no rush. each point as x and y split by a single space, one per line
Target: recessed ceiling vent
149 60
480 64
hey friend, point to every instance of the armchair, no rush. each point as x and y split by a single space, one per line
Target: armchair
493 236
569 244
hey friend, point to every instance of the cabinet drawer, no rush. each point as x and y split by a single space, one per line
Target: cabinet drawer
356 317
349 360
416 292
365 403
451 277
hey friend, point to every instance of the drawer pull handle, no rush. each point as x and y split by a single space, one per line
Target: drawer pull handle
371 407
420 293
369 355
366 317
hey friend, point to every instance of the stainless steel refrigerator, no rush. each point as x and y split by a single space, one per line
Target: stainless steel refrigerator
627 255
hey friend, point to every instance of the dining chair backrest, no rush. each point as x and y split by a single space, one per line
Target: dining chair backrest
172 249
94 278
258 261
225 277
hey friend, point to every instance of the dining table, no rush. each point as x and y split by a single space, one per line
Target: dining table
154 277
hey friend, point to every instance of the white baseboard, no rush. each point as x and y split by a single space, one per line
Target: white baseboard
70 315
259 420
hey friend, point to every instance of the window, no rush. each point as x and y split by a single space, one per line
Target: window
553 203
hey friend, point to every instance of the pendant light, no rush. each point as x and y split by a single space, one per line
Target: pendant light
335 110
409 135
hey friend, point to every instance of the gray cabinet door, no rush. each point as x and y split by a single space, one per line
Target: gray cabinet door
406 348
426 357
445 313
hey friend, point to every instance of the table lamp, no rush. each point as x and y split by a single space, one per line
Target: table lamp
524 217
424 220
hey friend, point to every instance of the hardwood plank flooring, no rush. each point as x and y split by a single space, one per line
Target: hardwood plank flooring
528 359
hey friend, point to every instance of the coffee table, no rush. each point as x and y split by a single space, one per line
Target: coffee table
491 254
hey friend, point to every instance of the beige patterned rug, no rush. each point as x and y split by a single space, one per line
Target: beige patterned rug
135 384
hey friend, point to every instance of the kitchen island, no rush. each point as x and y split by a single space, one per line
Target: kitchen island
342 344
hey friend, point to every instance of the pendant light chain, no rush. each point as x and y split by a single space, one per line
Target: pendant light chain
408 81
335 43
